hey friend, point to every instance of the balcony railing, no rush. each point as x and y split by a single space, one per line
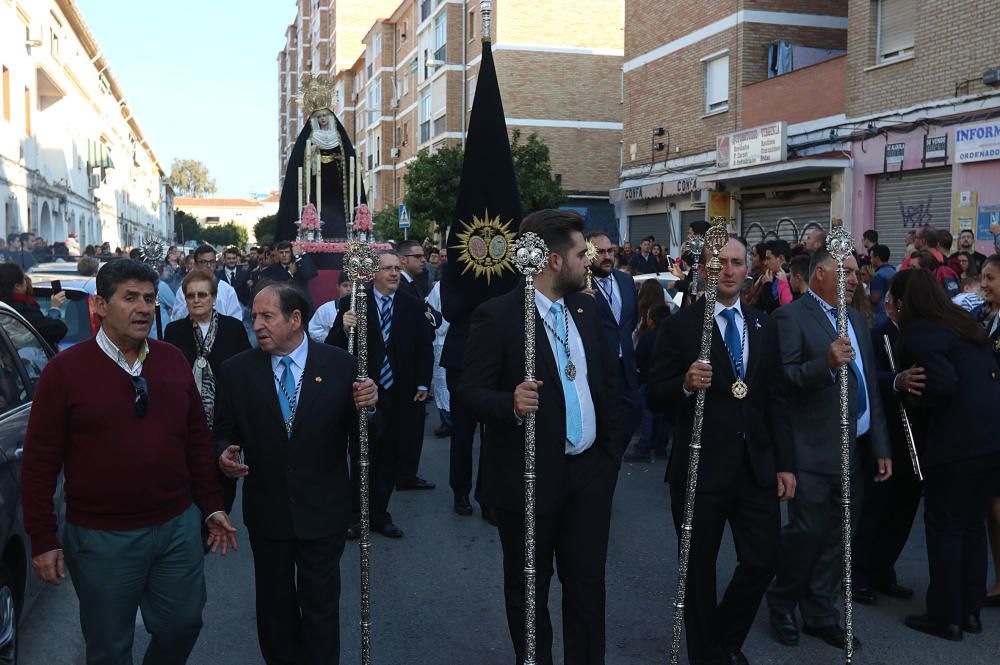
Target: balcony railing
425 131
440 125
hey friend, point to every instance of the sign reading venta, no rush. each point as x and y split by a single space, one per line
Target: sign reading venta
977 143
750 147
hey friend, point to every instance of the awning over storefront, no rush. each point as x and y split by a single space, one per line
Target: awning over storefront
797 168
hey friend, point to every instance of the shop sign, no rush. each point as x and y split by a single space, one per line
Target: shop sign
935 149
750 147
977 143
894 153
683 186
639 193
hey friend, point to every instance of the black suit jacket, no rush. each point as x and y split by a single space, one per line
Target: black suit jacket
619 335
961 397
297 487
411 339
239 283
733 430
418 289
643 265
230 339
306 271
494 366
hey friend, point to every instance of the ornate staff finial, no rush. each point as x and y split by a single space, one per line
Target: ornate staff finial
487 9
530 254
840 244
716 239
153 250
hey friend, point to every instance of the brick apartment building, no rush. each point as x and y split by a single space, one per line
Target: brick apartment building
412 83
779 114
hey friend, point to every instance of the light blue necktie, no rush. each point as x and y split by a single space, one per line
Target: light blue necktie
862 388
734 343
574 417
288 383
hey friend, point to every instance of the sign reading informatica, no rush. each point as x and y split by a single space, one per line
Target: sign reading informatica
977 143
760 145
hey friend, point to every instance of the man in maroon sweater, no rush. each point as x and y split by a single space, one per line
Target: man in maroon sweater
121 417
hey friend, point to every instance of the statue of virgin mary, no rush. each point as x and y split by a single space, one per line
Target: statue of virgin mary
322 168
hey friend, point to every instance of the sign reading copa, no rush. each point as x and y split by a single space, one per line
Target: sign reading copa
977 143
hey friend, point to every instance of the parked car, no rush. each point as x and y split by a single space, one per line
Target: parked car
23 356
77 311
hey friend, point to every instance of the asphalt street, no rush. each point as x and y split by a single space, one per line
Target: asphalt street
437 596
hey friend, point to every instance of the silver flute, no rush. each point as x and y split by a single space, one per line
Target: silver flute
911 444
362 264
840 244
529 256
715 240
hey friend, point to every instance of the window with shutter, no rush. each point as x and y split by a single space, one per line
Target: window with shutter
897 20
717 84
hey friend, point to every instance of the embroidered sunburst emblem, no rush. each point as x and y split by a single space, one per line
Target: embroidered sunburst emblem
485 246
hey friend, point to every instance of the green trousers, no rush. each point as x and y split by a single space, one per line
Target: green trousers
158 570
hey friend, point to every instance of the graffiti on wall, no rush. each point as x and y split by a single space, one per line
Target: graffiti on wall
918 214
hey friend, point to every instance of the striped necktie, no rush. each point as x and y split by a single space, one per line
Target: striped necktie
385 318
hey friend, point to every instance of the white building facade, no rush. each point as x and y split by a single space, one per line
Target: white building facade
72 156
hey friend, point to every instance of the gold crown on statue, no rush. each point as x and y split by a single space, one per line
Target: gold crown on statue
315 94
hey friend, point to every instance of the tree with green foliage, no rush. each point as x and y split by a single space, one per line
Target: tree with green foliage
386 223
226 235
189 177
186 227
535 185
433 179
264 229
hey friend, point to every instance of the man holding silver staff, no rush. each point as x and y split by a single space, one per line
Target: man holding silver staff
282 423
748 463
811 570
578 449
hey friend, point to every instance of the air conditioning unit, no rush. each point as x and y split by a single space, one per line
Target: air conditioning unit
394 103
394 153
95 179
699 198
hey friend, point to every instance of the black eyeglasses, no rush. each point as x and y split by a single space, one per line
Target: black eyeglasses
141 388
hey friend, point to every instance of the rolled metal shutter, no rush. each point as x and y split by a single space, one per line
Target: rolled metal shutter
789 222
642 226
903 204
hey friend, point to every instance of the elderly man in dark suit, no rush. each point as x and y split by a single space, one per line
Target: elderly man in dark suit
578 446
618 306
288 407
811 571
401 359
748 462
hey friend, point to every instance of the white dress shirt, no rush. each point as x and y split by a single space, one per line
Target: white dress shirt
579 358
322 320
226 303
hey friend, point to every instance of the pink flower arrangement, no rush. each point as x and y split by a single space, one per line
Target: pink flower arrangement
310 219
362 218
333 247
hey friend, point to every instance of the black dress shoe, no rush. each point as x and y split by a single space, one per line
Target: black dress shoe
992 601
864 596
353 532
389 530
416 484
833 635
785 629
923 623
442 431
893 590
737 658
462 506
972 624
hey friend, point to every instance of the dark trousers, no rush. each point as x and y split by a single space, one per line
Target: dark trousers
463 433
298 599
754 517
885 523
811 569
383 458
631 405
957 498
158 570
576 535
654 428
410 436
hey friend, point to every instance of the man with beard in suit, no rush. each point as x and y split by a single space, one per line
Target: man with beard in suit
810 574
578 446
748 462
288 407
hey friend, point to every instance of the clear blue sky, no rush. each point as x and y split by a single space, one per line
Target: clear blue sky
201 77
